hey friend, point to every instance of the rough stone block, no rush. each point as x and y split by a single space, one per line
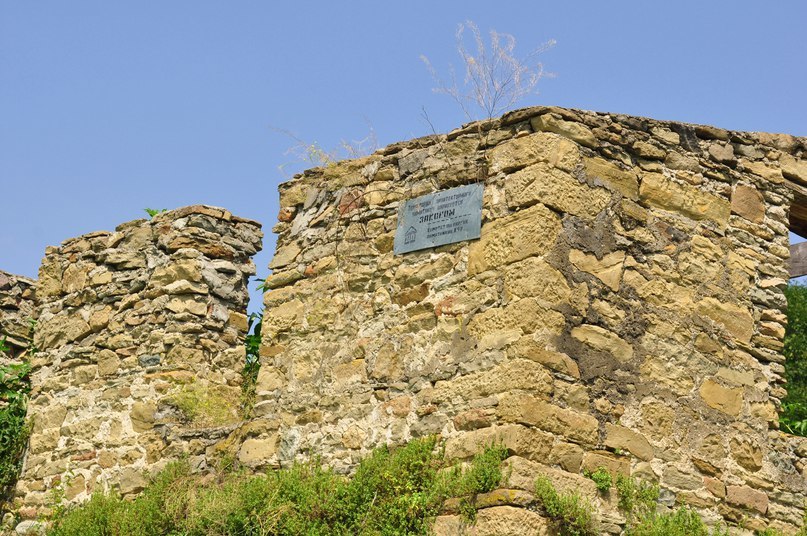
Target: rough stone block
725 399
524 234
531 411
555 188
626 182
539 147
619 437
747 498
660 192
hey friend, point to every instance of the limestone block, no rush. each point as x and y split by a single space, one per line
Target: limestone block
500 520
60 330
660 192
539 147
284 256
142 415
521 374
131 481
736 319
521 441
524 234
555 188
410 276
773 174
794 169
615 465
517 318
608 269
258 451
746 201
187 305
626 182
284 317
619 437
604 341
531 411
74 278
748 498
722 152
746 452
675 477
522 474
727 400
529 348
569 129
648 150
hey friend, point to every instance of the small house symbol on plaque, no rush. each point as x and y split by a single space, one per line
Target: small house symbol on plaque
410 236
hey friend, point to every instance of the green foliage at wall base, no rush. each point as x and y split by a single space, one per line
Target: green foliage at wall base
393 492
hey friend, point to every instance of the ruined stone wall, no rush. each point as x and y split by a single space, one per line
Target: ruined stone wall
140 347
623 308
17 310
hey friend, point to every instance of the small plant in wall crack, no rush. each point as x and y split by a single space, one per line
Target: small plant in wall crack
252 363
601 478
154 211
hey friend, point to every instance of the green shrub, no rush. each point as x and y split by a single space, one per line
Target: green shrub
601 478
681 522
14 388
637 498
394 491
571 514
252 364
794 407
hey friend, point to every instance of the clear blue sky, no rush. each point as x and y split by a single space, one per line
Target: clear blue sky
110 107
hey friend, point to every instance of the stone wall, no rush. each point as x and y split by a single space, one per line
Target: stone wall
140 348
623 308
17 310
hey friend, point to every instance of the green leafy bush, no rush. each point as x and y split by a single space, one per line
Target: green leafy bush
601 478
794 407
571 514
252 363
394 491
14 388
637 498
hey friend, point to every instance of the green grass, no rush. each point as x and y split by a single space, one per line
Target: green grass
393 492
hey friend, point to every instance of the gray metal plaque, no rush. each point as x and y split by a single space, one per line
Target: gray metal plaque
441 218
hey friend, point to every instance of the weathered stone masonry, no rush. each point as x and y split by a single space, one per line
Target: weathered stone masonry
140 336
623 308
16 312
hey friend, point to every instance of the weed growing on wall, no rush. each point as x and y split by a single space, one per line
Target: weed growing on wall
571 514
494 78
601 478
394 491
794 407
154 211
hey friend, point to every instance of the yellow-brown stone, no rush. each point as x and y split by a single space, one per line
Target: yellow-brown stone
725 399
626 182
555 188
604 341
658 191
524 234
